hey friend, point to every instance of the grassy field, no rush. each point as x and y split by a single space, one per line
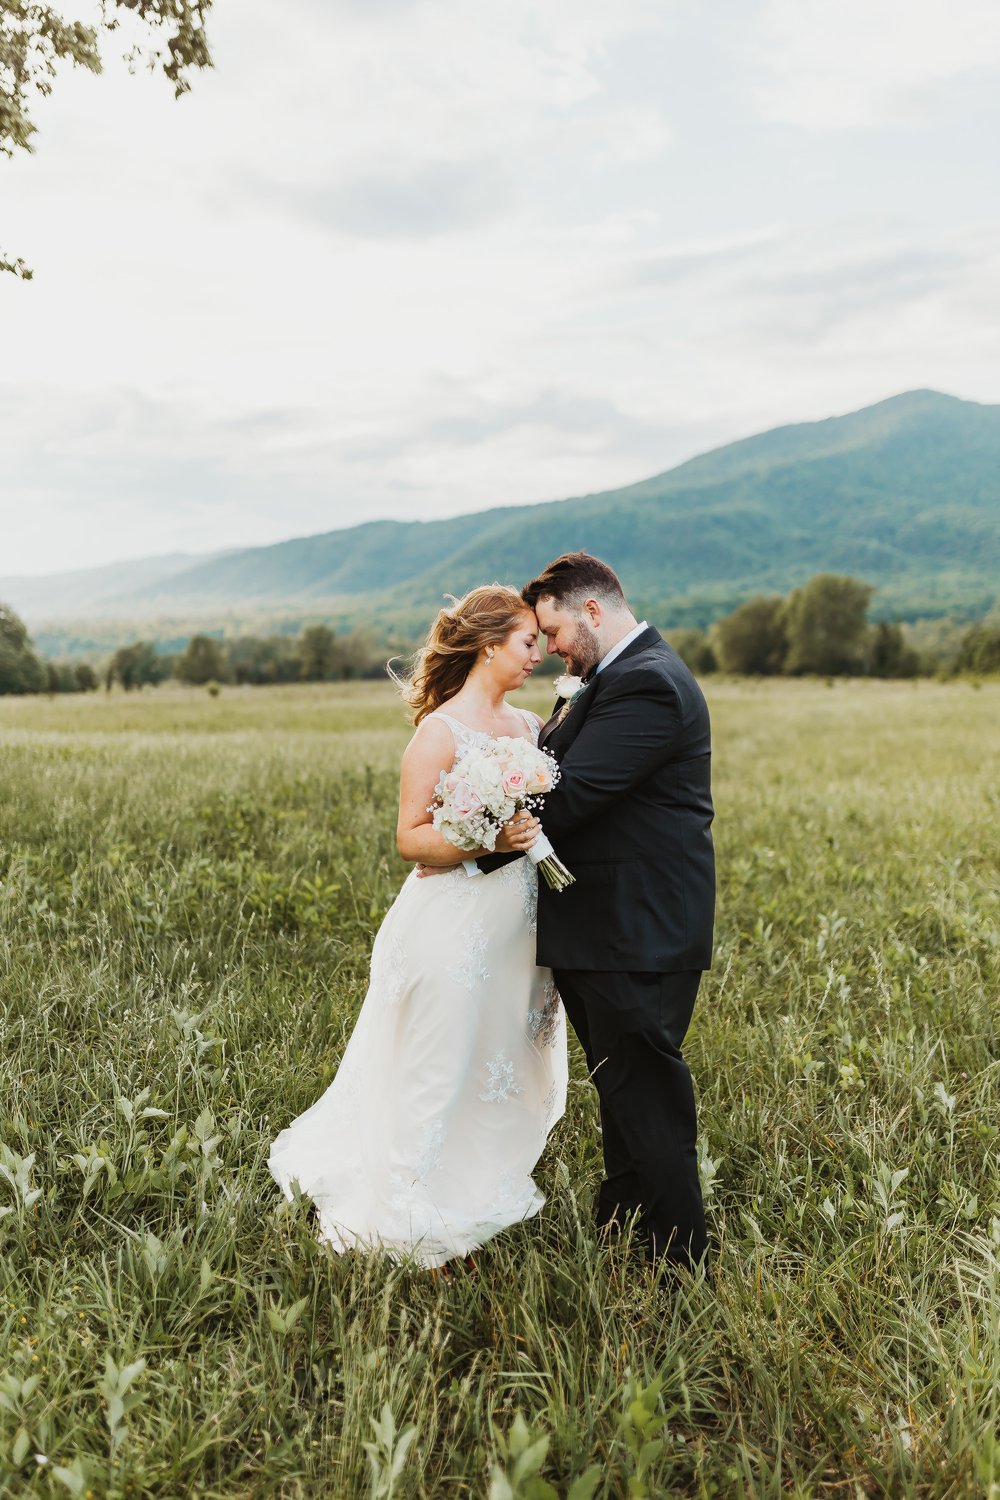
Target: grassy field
188 892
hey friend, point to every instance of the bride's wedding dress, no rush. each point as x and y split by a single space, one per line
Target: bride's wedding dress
455 1073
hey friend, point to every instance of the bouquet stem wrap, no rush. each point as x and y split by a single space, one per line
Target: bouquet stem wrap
542 854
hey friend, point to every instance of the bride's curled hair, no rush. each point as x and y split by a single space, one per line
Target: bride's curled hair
484 617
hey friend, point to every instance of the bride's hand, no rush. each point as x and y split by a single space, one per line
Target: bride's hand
514 838
519 834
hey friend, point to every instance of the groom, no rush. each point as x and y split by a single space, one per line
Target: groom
631 818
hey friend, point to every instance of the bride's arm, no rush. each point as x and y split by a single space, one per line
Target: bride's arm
432 747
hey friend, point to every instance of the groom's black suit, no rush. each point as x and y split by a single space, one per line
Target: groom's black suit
631 818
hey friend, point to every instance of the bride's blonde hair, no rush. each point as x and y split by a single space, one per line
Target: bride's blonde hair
484 617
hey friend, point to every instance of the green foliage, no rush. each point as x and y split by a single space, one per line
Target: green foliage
20 669
317 653
16 267
888 653
517 1473
820 629
936 642
136 666
262 659
980 649
35 38
120 1396
188 895
753 640
387 1455
825 623
694 649
643 1433
904 493
202 661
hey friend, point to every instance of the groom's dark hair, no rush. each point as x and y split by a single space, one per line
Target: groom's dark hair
574 577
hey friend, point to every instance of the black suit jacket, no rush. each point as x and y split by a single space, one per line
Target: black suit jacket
631 818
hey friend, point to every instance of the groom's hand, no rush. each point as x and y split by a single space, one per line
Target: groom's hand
514 838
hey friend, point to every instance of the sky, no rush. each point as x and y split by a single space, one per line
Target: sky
416 258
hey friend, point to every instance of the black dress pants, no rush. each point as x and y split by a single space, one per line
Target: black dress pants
631 1026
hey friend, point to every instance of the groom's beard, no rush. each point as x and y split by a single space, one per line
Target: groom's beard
584 652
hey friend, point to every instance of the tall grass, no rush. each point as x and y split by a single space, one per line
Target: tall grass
188 892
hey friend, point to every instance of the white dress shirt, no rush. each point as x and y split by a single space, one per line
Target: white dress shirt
626 640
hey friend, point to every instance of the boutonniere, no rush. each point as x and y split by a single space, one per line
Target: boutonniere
569 687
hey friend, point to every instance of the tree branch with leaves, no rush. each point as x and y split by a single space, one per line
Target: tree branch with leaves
35 39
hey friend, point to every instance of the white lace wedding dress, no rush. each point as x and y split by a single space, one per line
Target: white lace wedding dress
455 1073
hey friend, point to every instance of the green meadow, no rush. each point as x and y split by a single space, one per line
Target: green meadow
189 886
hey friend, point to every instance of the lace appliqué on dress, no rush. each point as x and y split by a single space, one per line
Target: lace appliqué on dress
520 874
549 1106
543 1022
503 1084
390 976
471 969
511 1191
426 1161
431 1147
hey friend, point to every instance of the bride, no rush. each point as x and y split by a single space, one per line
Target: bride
424 1143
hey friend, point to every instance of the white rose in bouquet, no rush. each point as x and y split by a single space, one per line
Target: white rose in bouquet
487 786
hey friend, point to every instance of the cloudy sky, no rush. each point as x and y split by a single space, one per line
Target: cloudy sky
412 258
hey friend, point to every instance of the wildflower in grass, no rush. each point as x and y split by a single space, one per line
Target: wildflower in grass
849 1077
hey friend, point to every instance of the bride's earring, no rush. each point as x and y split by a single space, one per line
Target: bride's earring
489 655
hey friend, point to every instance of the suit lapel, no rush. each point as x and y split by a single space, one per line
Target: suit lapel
573 715
549 724
576 712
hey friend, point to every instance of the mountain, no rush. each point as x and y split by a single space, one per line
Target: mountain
905 494
91 589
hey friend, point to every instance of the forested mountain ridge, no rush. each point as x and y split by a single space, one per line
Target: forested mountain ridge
905 494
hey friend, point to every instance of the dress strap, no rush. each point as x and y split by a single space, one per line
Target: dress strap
464 735
532 722
455 724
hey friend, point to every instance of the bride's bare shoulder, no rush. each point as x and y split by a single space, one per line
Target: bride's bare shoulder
432 733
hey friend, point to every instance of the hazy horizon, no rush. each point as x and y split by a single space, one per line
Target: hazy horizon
196 556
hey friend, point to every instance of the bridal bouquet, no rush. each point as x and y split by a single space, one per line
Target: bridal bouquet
483 791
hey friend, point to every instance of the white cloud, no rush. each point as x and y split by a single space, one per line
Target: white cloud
869 62
415 257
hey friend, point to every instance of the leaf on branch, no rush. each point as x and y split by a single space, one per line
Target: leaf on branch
35 37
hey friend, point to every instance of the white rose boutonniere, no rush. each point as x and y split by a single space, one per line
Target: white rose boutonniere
568 687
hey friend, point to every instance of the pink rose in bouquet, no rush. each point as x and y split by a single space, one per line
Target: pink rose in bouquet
514 782
484 790
465 803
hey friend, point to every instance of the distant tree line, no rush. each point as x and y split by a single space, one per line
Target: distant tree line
22 670
318 654
822 629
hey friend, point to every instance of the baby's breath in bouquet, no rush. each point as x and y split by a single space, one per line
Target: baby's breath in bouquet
483 791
